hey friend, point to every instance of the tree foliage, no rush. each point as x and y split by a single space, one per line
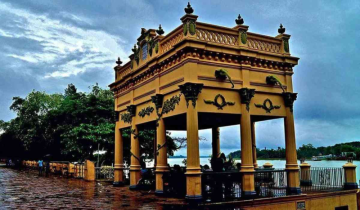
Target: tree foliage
68 126
307 151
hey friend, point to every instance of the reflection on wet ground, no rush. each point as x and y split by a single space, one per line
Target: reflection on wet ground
26 190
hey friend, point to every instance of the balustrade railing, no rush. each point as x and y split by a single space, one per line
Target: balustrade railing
262 45
324 179
270 183
216 37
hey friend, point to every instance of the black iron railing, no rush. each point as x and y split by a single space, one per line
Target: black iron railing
270 183
322 179
104 173
218 186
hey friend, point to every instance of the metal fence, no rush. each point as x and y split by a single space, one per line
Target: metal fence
324 179
270 183
104 173
218 186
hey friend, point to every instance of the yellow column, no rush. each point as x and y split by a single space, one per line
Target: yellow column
291 155
161 158
247 164
119 163
350 176
254 145
193 172
216 142
135 167
305 178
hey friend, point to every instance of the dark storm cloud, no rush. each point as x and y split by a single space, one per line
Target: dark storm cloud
46 45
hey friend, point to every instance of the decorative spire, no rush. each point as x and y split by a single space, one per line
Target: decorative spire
239 20
160 31
281 30
118 62
189 9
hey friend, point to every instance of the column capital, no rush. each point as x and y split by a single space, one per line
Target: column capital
246 95
157 100
191 92
289 99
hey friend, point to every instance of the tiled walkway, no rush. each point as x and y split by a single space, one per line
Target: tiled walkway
26 190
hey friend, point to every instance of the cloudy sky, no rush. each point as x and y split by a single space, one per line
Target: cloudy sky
45 45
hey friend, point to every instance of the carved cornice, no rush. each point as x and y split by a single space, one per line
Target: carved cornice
203 57
289 99
191 92
246 95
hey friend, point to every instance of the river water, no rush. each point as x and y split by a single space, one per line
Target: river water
280 164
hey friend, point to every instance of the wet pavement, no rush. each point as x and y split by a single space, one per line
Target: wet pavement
26 190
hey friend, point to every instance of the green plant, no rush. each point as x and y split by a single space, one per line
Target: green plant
272 80
223 74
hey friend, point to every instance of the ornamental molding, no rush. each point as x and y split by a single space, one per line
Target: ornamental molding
267 105
146 111
219 104
184 56
167 106
126 117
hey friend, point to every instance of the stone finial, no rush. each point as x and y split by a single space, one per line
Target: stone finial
239 20
281 30
189 9
160 31
118 62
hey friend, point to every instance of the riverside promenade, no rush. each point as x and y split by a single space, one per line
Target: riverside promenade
24 189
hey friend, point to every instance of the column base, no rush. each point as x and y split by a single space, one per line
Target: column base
193 198
248 194
118 184
133 187
293 191
350 185
305 183
159 192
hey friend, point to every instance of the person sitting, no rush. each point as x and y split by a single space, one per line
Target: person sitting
218 163
206 168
